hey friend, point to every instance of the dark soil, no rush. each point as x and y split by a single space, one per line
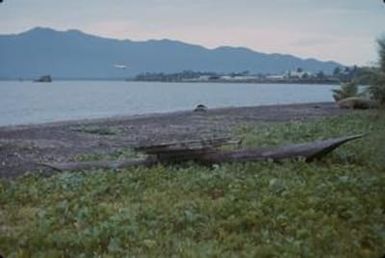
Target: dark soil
21 147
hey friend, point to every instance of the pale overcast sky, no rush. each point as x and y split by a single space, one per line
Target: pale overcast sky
340 30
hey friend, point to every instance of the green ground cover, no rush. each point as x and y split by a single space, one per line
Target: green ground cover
329 208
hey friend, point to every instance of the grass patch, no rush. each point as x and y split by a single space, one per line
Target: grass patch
333 208
99 130
370 149
124 153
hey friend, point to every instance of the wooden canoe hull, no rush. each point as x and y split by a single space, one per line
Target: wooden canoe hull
307 151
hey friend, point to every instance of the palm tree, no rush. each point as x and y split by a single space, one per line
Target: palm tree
347 90
377 77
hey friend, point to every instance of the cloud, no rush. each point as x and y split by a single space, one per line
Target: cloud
314 41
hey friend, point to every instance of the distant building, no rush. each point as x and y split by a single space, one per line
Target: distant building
298 74
238 77
204 78
201 78
275 77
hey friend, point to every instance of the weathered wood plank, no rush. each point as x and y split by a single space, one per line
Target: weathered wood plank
201 144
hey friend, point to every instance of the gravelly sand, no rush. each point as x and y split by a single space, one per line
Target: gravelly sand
21 146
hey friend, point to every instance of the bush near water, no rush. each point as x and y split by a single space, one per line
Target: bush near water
374 96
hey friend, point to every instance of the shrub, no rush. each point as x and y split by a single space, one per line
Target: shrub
377 85
347 90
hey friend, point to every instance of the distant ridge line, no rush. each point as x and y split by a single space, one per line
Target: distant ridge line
75 54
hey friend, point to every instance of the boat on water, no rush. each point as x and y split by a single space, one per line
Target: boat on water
44 78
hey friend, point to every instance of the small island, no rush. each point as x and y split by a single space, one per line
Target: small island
44 78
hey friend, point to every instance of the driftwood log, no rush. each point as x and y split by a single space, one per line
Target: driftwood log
207 152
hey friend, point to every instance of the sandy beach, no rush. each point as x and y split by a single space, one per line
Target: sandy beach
22 146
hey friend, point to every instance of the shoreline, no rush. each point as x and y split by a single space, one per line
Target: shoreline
300 82
150 115
23 145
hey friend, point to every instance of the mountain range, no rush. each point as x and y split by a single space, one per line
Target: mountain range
73 54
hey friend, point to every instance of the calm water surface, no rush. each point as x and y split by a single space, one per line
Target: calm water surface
28 102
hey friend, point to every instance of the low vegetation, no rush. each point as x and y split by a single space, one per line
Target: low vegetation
119 154
377 87
374 77
106 131
329 208
347 90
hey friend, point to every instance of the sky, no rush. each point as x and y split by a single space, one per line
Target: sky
341 30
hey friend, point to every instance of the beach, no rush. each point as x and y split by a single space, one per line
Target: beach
22 147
